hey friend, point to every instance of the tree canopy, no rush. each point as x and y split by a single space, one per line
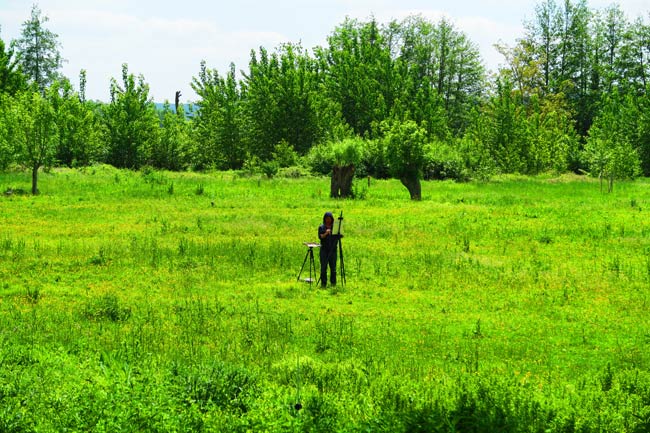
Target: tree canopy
573 87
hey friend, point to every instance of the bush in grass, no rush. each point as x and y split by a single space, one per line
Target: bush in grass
219 385
293 172
285 155
106 307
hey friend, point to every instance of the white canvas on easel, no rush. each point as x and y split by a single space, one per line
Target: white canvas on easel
337 227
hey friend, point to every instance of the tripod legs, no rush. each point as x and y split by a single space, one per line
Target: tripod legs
312 266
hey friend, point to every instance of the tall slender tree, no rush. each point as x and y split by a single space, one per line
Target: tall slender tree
131 122
217 125
39 51
171 151
440 74
358 74
281 97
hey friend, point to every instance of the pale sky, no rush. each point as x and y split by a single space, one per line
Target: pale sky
166 40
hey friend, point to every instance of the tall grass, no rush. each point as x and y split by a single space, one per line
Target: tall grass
515 305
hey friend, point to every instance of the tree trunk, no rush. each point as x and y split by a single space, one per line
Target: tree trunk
341 184
414 187
35 180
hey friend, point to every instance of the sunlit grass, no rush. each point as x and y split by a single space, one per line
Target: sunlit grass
537 286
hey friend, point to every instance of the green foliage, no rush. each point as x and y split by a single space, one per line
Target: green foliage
33 131
534 117
443 162
405 149
288 78
12 80
580 52
373 161
323 157
641 133
6 149
501 129
270 168
528 137
217 127
80 131
359 74
476 157
284 155
440 75
320 159
106 307
551 132
39 51
347 151
218 385
171 151
131 122
609 150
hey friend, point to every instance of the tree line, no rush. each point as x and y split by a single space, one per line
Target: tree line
409 99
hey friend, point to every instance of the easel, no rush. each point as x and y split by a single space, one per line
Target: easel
312 264
338 236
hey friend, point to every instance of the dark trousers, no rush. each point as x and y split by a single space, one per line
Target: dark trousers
328 257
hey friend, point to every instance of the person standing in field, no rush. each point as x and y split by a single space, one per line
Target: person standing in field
328 249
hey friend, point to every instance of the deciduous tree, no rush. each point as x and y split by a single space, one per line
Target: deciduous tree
405 148
33 132
609 149
131 122
217 124
12 80
80 134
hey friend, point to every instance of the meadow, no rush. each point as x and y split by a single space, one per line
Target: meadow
158 301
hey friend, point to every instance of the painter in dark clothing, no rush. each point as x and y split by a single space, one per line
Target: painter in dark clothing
328 243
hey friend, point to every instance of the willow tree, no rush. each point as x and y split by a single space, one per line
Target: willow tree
405 149
346 157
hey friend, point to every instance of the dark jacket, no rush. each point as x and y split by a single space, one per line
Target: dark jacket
329 242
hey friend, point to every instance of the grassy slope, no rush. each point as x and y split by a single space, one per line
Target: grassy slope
130 301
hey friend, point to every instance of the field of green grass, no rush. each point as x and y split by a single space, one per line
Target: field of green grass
169 302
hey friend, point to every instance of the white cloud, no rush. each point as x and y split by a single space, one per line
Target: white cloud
166 51
166 41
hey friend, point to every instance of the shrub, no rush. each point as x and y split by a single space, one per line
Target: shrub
106 307
320 159
270 168
284 154
443 162
293 172
373 160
